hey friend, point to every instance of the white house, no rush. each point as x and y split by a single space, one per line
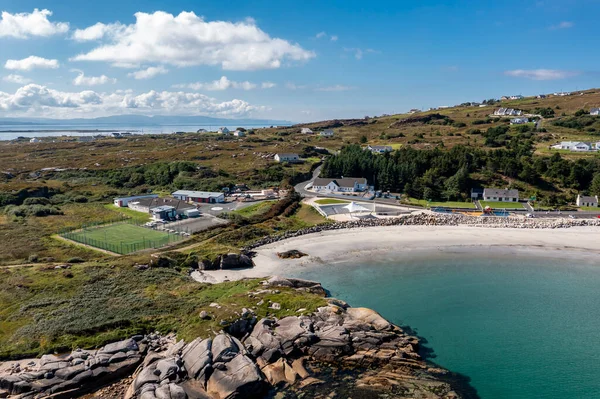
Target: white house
495 194
306 130
287 157
595 111
201 131
584 200
223 130
414 111
379 149
540 96
575 146
508 112
519 121
199 196
344 184
239 133
326 133
517 97
34 140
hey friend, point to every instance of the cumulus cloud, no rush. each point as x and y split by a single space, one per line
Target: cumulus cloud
293 86
82 80
148 73
562 25
97 31
31 62
541 74
224 83
26 25
335 88
188 40
13 78
39 100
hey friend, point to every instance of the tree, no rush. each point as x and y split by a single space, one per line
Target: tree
595 186
363 139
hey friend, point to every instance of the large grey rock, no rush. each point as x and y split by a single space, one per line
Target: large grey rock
69 372
121 346
170 391
146 376
197 357
241 379
165 368
224 348
235 261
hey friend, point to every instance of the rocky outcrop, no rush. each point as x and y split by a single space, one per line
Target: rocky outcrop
256 358
227 261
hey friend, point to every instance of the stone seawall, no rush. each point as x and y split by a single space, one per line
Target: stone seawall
432 220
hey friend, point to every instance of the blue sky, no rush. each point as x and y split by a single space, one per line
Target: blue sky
295 60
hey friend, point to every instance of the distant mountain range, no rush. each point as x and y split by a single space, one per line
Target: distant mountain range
141 120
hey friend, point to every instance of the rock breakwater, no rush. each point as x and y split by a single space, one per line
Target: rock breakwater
432 220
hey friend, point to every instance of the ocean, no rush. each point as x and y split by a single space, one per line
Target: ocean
517 326
10 132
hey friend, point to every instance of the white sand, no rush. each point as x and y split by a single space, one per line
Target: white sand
398 241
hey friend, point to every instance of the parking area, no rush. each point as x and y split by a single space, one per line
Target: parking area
192 225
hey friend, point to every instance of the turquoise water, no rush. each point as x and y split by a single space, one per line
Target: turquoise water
518 327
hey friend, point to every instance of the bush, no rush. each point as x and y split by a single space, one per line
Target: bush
80 199
459 124
33 258
481 121
75 260
474 131
36 201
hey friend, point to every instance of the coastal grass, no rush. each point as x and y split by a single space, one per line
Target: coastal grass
46 310
139 217
330 201
501 205
589 208
254 209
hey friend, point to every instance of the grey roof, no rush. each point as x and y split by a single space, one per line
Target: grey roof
197 194
341 182
497 192
288 154
133 197
587 198
152 203
381 147
594 110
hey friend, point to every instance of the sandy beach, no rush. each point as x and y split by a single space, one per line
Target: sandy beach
399 241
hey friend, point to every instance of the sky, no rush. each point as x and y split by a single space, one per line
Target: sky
301 61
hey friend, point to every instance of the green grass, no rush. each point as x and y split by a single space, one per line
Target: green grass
589 208
330 201
44 310
434 204
122 238
255 209
501 205
136 216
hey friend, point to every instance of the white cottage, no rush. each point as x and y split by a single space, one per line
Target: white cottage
344 184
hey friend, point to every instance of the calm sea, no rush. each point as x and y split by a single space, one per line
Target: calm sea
10 132
518 326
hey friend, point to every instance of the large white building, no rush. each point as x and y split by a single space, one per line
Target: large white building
123 202
495 194
344 184
508 112
379 149
577 146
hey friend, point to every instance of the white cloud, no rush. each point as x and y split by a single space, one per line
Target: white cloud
30 63
187 40
562 25
25 25
335 88
359 53
268 85
224 83
39 100
324 35
149 73
541 74
82 80
13 78
293 86
97 31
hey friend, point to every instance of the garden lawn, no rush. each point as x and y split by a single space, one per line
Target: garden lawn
501 205
445 204
330 201
122 238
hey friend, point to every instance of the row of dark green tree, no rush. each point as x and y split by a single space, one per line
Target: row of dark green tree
439 174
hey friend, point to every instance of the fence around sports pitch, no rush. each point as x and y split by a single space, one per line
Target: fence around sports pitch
88 234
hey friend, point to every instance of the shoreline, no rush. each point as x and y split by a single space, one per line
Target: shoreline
397 242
